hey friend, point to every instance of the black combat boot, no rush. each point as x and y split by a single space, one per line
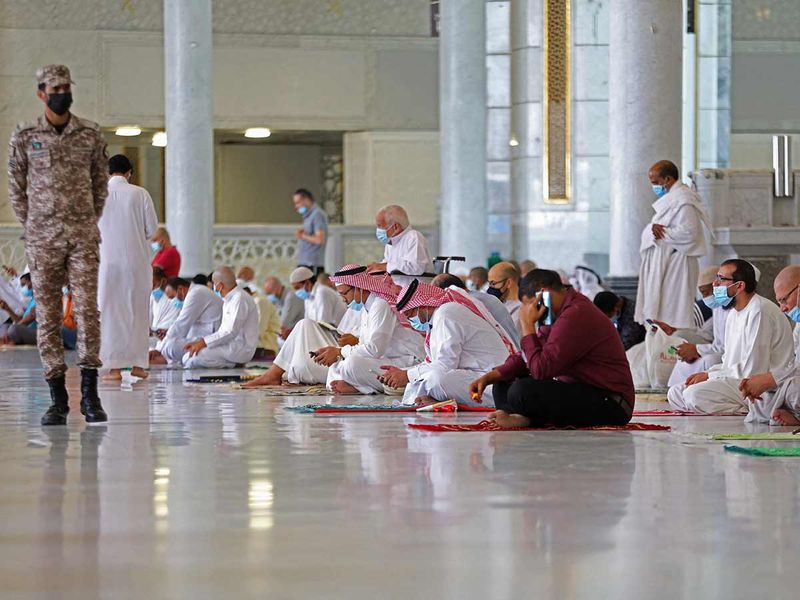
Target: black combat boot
59 403
90 401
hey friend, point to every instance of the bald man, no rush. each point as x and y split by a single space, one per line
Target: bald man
406 249
774 397
292 309
235 342
504 285
671 247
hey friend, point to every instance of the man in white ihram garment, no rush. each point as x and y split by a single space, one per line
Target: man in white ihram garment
235 341
200 315
704 347
125 277
463 342
671 247
349 363
774 397
405 248
322 303
758 338
163 311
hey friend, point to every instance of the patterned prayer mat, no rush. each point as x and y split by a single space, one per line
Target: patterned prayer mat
677 413
366 408
492 426
222 379
763 451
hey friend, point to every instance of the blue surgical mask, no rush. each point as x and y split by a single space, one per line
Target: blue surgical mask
155 246
794 314
660 190
273 298
721 295
382 235
711 302
356 306
419 325
177 303
158 294
65 291
218 293
302 293
303 210
27 292
470 285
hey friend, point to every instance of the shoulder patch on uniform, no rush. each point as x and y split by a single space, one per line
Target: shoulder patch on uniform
26 125
86 123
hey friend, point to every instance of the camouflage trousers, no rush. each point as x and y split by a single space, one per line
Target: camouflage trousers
58 264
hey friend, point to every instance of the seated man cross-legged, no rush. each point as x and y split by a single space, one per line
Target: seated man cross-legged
349 363
572 370
463 341
235 342
758 339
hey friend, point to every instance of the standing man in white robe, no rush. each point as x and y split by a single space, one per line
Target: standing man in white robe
405 248
235 342
349 363
463 342
124 284
321 302
671 247
758 338
774 397
200 315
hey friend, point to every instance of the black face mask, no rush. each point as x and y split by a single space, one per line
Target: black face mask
496 292
59 103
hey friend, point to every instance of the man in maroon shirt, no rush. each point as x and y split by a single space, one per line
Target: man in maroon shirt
167 256
571 373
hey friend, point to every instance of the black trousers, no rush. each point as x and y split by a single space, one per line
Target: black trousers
551 402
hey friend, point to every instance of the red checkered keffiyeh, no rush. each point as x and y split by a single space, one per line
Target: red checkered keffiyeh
416 294
380 284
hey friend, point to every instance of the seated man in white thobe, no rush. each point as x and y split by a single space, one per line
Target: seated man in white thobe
671 247
463 342
704 347
292 309
348 363
163 311
758 338
405 248
235 341
322 303
774 397
200 314
492 304
269 327
504 285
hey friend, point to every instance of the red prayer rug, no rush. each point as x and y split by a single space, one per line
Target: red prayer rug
492 426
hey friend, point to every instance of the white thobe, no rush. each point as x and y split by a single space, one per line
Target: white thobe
325 304
785 395
463 346
758 339
513 307
351 322
236 339
163 312
10 293
201 314
125 278
710 353
670 266
407 252
382 341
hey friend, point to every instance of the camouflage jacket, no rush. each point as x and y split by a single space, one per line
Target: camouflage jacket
58 183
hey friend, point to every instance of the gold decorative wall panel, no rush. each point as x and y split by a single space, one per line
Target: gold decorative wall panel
557 114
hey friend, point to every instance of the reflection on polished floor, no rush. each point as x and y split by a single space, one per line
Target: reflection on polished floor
197 491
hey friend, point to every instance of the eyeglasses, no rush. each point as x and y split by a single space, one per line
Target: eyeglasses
495 284
786 297
721 278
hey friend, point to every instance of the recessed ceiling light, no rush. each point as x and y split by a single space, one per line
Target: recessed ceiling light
128 131
257 132
513 142
160 139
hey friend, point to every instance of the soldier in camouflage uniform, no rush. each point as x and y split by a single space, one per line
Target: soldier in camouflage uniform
57 184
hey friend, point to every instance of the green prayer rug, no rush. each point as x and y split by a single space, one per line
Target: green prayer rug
777 436
794 451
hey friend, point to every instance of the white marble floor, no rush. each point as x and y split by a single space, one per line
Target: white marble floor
197 491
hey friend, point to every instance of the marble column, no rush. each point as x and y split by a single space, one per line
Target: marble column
190 136
644 117
462 123
527 19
